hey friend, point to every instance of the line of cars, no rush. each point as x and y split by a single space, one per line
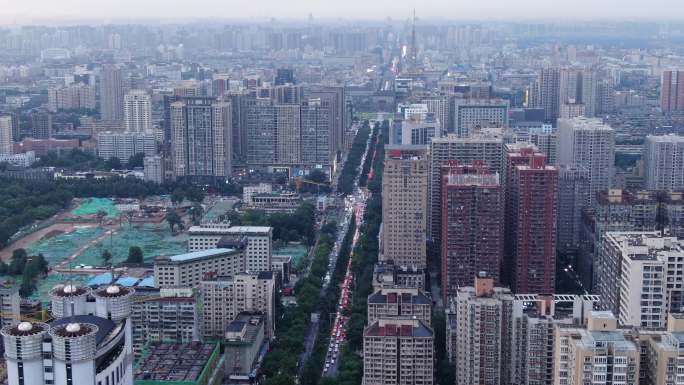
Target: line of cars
338 333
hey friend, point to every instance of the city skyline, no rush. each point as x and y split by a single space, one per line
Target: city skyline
126 11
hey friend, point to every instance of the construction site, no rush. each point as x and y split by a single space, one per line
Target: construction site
73 241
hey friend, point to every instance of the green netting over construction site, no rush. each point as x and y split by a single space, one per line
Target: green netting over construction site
86 244
59 247
154 239
91 206
219 208
297 252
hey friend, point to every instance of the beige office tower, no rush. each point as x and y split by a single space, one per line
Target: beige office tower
404 210
138 111
398 352
598 353
480 333
484 147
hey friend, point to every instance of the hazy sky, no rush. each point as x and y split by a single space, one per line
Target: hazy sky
47 11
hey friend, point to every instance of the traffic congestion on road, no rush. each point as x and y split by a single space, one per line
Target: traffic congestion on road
355 203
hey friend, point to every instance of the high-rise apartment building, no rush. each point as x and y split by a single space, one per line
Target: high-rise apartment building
284 76
573 198
546 93
201 138
596 353
472 225
123 145
579 86
224 297
623 210
154 169
532 209
6 142
334 98
398 352
640 275
258 242
41 125
288 128
591 144
479 333
535 318
111 93
471 114
664 162
316 132
546 142
167 315
72 97
481 147
399 302
672 91
137 106
404 211
414 130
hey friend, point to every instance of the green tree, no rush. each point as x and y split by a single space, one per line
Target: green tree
113 163
106 257
177 196
18 262
173 219
196 212
101 214
136 160
135 255
28 286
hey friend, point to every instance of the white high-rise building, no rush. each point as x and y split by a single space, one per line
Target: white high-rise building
472 114
589 143
123 145
664 162
138 111
638 277
5 135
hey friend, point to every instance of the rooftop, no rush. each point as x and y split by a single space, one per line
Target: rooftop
397 296
104 326
174 362
400 328
195 255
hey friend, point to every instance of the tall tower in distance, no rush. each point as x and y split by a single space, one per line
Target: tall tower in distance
111 93
5 135
137 111
672 91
